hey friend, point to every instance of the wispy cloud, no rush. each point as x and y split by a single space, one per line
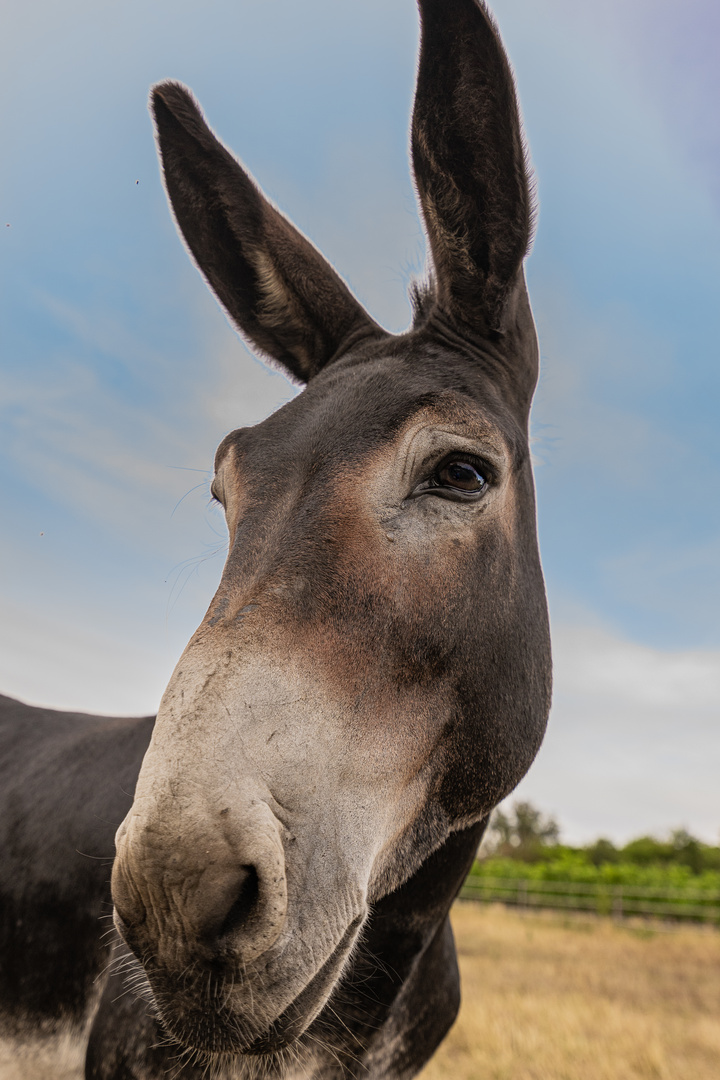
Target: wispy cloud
114 440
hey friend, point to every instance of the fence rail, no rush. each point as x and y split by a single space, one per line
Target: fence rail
616 900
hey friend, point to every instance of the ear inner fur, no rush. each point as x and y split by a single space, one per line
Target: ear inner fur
469 163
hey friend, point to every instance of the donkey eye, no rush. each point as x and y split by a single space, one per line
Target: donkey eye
461 476
461 479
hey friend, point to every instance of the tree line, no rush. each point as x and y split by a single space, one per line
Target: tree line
527 835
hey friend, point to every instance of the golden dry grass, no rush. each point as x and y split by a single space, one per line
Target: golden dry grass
553 998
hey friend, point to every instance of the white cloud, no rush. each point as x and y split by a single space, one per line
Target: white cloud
592 662
70 664
633 743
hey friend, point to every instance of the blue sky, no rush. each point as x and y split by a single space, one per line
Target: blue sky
120 375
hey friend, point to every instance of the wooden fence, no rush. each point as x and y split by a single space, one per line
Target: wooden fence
617 900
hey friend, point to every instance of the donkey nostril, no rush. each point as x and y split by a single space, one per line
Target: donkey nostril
244 906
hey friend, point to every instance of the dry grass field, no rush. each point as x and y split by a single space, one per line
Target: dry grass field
547 997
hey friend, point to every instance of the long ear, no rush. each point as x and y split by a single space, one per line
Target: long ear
469 163
273 283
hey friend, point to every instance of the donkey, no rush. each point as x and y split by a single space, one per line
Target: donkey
371 678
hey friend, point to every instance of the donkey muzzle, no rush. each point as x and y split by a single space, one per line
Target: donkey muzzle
199 886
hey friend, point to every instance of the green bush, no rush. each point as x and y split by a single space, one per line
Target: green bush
576 866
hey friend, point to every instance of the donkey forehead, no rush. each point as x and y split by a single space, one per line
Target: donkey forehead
353 418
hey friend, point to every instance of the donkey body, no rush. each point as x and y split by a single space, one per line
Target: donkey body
372 675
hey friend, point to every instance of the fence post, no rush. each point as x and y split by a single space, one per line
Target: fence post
607 899
617 907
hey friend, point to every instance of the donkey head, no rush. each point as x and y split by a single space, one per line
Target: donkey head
373 672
